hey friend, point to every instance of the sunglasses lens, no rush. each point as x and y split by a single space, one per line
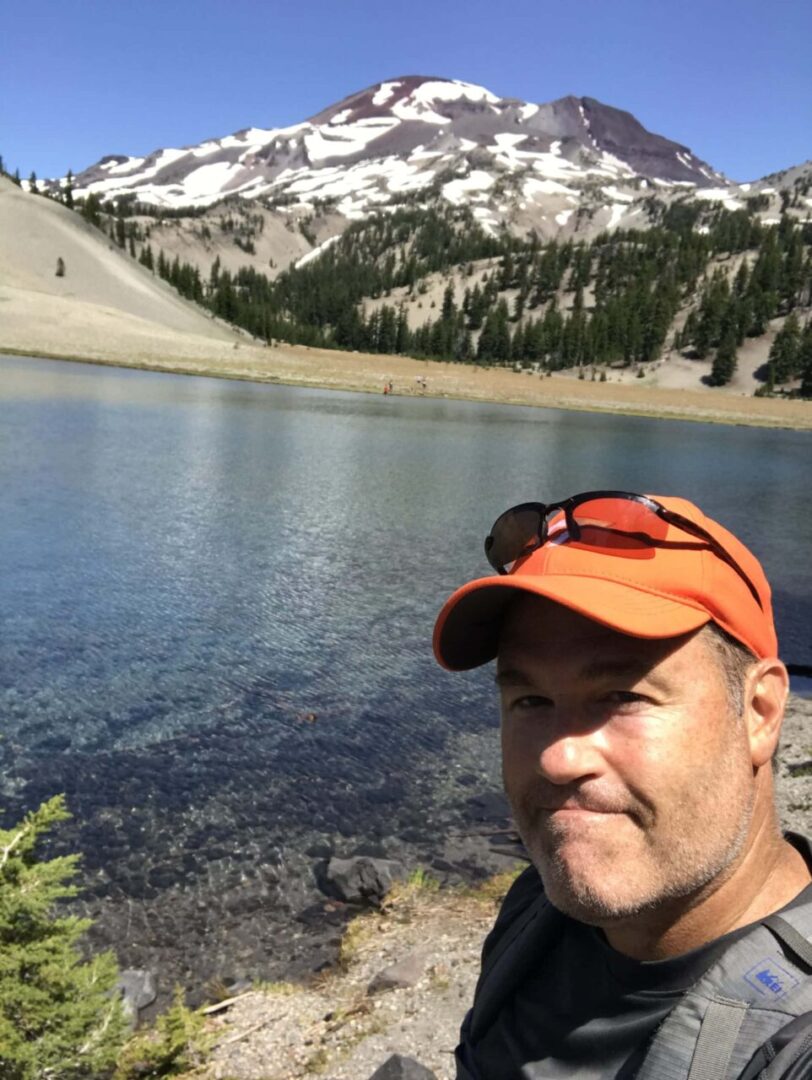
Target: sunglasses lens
515 533
615 526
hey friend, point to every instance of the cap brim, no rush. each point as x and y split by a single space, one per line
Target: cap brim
466 633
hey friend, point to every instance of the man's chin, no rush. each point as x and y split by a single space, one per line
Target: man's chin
589 907
590 897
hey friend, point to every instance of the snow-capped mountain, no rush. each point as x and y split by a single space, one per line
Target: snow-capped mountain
508 159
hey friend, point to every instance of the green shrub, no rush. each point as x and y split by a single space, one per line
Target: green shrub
60 1015
176 1045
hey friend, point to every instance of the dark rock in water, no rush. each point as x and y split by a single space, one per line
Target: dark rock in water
467 779
400 976
443 865
371 850
489 806
137 992
361 879
398 1067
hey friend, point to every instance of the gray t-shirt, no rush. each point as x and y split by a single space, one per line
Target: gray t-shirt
586 1011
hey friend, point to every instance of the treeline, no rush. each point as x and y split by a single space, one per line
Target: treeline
623 291
553 305
728 311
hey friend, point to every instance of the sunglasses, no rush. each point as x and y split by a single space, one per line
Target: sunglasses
613 522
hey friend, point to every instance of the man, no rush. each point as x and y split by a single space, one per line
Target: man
641 706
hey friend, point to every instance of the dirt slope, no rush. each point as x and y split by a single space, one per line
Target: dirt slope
104 293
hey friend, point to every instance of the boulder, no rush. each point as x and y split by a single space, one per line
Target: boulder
362 879
398 1067
137 991
405 973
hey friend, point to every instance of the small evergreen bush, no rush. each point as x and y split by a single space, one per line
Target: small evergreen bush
60 1015
177 1044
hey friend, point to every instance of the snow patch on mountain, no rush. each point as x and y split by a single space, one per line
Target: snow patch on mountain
344 140
722 195
531 186
617 212
617 195
555 167
410 109
202 180
468 187
305 259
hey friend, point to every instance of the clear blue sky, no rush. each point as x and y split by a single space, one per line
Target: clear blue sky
732 79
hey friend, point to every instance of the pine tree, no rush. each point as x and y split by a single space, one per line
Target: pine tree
91 210
805 361
59 1015
32 183
68 190
785 353
724 363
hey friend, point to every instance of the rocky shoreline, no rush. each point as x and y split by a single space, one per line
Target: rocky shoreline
391 990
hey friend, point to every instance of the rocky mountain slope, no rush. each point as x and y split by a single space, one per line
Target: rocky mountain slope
399 136
571 165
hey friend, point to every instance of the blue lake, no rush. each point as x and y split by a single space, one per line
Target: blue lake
217 601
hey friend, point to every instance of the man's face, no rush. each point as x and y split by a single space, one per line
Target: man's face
630 782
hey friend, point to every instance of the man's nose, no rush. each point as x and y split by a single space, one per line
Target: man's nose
570 752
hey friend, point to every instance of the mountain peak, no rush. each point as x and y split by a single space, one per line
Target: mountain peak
508 160
408 97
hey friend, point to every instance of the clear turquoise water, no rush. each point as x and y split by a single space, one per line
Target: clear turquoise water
191 566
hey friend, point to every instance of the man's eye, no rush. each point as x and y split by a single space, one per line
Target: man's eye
530 701
623 697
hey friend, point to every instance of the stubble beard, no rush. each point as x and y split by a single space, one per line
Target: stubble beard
643 863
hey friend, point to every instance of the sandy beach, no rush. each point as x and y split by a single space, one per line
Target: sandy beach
301 366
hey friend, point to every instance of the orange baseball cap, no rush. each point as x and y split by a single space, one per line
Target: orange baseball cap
644 591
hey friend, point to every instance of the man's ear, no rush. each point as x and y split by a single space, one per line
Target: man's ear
765 697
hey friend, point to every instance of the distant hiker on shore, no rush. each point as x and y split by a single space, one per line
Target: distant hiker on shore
663 930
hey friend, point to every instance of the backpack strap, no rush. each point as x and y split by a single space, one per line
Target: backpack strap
717 1038
794 1061
790 937
759 984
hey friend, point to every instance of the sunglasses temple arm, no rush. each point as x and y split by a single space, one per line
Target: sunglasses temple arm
696 530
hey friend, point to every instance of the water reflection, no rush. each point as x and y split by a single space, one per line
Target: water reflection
217 607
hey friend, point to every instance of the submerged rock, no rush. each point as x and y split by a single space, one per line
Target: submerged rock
137 992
